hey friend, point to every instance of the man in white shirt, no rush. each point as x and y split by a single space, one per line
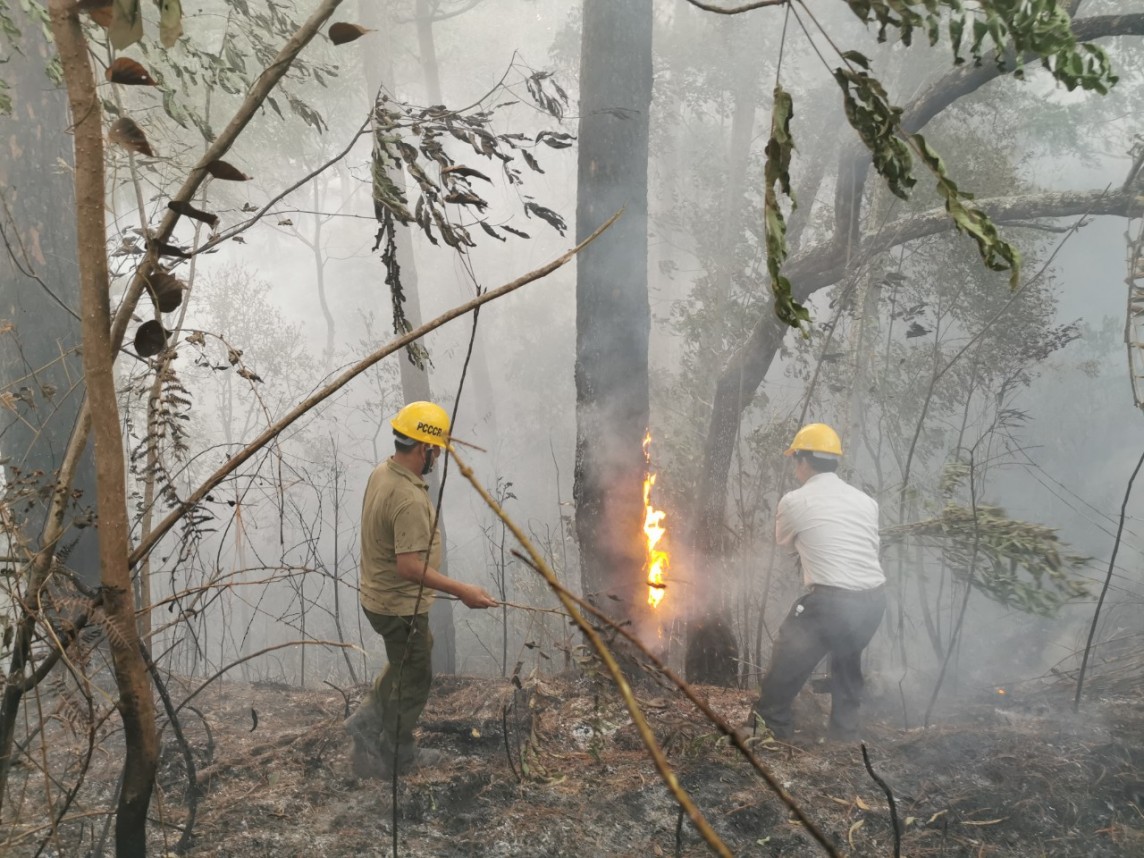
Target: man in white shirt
833 528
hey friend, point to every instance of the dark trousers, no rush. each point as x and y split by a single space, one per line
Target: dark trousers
827 620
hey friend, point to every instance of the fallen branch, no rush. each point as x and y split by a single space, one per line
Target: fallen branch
253 755
613 667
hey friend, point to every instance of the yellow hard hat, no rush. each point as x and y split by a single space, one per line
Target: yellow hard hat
816 438
423 421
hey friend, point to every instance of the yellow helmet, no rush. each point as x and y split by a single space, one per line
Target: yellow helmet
423 421
816 438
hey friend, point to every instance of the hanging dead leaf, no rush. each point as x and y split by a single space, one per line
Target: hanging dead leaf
187 210
341 32
130 136
464 172
248 374
129 73
150 339
227 172
166 289
99 11
170 21
161 248
126 24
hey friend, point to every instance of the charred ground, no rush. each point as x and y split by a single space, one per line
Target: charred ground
557 769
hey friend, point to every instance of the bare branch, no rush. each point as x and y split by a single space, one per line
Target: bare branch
735 10
306 405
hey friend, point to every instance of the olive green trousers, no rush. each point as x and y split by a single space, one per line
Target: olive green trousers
399 693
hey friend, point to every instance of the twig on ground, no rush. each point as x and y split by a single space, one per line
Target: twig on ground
345 696
890 798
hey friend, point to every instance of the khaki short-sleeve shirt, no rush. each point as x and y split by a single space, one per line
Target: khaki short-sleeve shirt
396 518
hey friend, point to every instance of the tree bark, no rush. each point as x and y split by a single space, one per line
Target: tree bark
136 703
613 317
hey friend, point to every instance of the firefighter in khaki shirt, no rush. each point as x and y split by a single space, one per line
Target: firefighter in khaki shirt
400 553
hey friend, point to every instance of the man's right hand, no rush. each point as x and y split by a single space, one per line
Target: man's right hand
477 597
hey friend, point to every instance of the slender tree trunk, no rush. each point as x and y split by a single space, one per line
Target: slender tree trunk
414 379
712 649
40 365
136 703
613 318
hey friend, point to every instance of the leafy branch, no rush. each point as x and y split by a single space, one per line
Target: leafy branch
1008 546
997 27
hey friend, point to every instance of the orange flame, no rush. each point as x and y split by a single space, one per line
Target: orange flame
654 531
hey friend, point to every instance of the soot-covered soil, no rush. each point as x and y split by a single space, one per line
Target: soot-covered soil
557 769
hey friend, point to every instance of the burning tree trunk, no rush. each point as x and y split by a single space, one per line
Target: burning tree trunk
613 318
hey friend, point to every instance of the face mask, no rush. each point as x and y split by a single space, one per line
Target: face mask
430 460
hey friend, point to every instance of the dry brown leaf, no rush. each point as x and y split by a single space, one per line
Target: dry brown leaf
342 32
165 289
228 172
150 339
102 16
187 210
162 248
98 10
130 136
129 72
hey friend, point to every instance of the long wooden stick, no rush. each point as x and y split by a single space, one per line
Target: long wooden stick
702 706
653 748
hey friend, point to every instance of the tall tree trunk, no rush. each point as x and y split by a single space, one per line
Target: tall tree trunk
414 379
613 317
40 365
136 704
712 649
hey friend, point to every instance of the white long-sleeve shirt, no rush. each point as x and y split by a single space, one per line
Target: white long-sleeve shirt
834 528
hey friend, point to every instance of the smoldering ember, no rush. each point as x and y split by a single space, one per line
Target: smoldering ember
571 428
